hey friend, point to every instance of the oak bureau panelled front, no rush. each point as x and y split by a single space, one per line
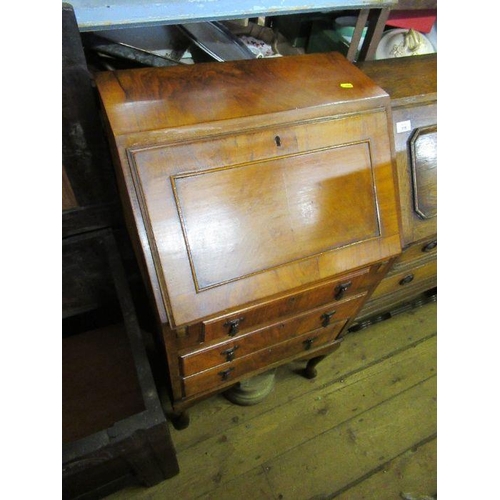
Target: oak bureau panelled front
263 205
414 113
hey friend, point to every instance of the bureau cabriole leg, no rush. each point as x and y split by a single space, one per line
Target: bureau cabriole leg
180 420
310 369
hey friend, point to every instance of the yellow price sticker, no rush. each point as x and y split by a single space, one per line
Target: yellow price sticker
347 85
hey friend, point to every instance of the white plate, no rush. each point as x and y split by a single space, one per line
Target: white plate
398 43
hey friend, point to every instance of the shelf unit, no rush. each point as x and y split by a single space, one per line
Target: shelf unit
95 15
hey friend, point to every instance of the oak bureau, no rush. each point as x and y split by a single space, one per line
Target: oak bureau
262 201
411 83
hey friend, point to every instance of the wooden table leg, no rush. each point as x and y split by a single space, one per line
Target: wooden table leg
356 37
377 19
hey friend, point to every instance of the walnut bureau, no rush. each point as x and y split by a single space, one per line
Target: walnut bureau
262 201
411 83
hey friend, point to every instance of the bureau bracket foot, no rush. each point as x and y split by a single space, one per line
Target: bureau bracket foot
180 420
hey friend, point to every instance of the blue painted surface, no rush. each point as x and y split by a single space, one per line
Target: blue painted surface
94 15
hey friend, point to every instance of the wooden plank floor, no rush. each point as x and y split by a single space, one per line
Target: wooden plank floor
365 428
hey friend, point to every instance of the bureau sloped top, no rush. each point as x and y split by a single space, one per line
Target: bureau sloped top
248 179
167 98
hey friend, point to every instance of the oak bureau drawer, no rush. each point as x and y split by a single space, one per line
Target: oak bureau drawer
248 319
421 249
233 370
396 282
215 354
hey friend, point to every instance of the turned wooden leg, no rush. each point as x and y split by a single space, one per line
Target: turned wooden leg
180 420
253 390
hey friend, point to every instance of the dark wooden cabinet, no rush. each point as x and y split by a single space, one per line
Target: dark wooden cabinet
89 195
262 200
114 430
412 84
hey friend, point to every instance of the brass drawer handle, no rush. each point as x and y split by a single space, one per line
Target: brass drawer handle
226 373
308 343
234 326
326 318
407 279
341 289
430 246
229 353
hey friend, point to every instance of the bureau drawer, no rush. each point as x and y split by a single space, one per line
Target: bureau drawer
230 372
248 319
417 251
408 278
215 354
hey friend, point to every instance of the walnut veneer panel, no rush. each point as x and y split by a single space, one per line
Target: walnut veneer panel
297 201
168 98
232 221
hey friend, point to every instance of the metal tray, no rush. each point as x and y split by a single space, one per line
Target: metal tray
217 41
